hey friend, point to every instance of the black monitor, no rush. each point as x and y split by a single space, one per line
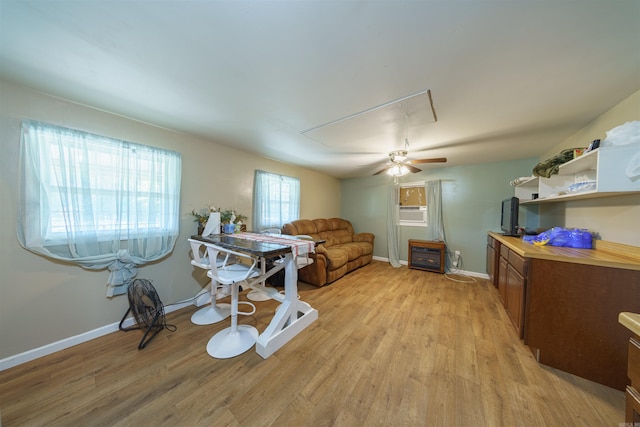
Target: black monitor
509 217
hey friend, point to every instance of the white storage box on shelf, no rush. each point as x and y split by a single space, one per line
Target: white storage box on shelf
599 173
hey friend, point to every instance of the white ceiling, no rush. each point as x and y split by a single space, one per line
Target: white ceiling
509 79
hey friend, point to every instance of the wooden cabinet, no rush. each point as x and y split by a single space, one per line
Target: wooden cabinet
515 298
598 173
572 300
503 267
632 412
427 255
512 270
493 250
571 318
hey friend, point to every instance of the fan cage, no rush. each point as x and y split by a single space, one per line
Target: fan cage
147 310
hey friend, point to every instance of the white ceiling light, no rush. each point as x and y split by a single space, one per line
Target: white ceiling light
398 169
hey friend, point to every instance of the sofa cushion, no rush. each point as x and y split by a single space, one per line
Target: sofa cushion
334 231
336 257
353 250
333 238
301 226
366 248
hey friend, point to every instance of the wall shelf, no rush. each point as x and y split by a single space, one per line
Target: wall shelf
603 169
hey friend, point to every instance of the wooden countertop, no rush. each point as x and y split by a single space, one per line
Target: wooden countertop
604 254
631 321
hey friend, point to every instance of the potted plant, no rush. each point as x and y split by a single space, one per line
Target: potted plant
202 216
232 221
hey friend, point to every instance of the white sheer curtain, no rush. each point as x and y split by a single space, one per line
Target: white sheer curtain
435 223
276 200
393 227
96 201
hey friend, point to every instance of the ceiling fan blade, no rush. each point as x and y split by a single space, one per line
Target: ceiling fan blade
381 171
413 169
433 160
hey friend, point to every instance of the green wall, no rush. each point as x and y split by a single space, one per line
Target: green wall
471 197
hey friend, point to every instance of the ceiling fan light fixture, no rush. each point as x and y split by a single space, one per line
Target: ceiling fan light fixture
398 170
401 157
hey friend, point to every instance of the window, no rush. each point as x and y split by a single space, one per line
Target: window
96 201
413 205
276 200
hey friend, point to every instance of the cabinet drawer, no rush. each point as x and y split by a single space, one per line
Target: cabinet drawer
518 263
504 251
634 363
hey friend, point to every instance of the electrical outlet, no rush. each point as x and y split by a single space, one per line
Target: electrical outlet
457 254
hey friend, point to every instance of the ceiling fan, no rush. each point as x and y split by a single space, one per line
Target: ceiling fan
399 165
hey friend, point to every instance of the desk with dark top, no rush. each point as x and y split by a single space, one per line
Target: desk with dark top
293 315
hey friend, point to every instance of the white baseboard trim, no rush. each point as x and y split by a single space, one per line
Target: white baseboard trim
45 350
470 273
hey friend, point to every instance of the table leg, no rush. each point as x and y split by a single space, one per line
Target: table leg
256 295
291 318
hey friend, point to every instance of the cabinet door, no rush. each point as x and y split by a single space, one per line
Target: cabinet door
515 298
572 318
491 265
502 280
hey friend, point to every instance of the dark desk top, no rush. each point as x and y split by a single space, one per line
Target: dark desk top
260 249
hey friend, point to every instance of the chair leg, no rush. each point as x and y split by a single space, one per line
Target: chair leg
214 312
236 339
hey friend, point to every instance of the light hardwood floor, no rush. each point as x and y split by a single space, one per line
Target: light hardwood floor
392 347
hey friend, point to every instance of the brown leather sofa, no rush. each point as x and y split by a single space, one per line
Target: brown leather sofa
342 251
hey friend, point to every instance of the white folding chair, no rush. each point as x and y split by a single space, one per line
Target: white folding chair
235 339
213 312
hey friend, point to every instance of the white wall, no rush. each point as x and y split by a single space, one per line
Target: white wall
44 301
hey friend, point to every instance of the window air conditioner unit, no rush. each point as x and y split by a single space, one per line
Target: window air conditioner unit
413 213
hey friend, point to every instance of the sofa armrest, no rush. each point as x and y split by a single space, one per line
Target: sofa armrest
315 273
320 249
364 237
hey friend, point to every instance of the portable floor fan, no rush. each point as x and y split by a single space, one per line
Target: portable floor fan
147 310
